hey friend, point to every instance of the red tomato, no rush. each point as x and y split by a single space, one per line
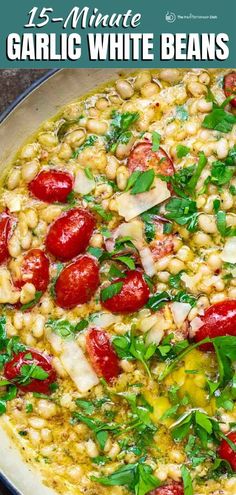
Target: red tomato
77 283
172 489
6 227
12 371
51 186
162 245
35 269
69 235
226 452
142 157
230 86
133 295
218 320
102 355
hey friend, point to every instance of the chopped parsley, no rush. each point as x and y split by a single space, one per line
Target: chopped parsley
182 150
156 139
31 304
183 211
65 328
222 226
111 291
120 124
143 181
89 141
218 119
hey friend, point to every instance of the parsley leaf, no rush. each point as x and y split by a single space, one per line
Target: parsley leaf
107 216
59 268
156 138
220 173
175 280
111 290
143 182
158 300
222 227
31 304
183 211
130 346
65 328
138 478
187 481
120 124
219 120
225 349
182 150
197 173
129 262
31 371
148 217
231 158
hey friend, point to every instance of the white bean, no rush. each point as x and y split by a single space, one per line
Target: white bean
30 170
196 89
207 223
111 168
97 126
149 89
122 177
38 327
46 409
48 139
142 78
222 148
14 178
75 138
124 89
204 106
169 75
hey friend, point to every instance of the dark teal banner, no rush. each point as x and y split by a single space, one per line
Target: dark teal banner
128 33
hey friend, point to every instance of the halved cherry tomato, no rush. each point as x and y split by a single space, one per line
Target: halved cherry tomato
13 373
218 320
142 157
6 227
51 186
34 269
133 295
77 283
102 355
226 452
171 489
230 86
69 235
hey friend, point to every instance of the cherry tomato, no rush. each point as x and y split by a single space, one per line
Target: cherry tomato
69 235
51 186
12 371
230 86
142 157
162 245
133 295
171 489
77 283
226 452
218 320
6 227
102 355
34 269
